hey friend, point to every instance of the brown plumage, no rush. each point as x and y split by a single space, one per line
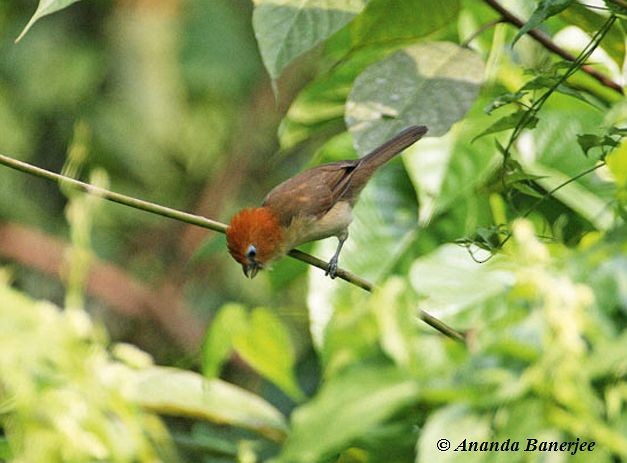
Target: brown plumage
312 205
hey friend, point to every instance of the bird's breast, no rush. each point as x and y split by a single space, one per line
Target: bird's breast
303 229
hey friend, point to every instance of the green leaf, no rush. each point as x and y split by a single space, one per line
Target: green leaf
587 203
287 28
433 84
591 21
504 99
447 170
545 9
555 155
183 393
406 20
396 319
266 346
452 281
509 122
587 141
230 321
527 190
347 406
45 8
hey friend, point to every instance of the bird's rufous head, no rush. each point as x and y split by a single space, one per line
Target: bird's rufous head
254 238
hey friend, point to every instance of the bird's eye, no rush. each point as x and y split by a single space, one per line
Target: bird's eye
251 251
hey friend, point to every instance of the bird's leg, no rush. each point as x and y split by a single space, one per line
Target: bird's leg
332 268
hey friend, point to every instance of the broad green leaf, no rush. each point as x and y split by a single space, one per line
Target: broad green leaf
580 199
591 21
45 8
509 122
384 22
287 28
545 9
184 393
432 84
452 281
552 151
396 319
266 346
447 169
320 105
617 163
347 406
230 322
457 424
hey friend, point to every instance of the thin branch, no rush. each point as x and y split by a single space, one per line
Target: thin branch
112 196
546 41
550 193
205 223
481 30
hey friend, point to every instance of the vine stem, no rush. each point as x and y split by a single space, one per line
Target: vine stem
205 223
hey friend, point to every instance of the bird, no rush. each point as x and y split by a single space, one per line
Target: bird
314 204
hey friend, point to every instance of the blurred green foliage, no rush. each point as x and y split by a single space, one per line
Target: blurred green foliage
516 237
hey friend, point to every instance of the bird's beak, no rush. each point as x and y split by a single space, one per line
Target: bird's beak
251 269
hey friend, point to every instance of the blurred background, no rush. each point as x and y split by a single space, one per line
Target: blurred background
171 99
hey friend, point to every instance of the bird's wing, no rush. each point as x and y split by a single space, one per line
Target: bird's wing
312 192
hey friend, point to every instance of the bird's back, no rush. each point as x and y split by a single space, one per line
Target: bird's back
316 191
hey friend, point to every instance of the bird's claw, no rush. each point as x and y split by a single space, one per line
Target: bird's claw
331 269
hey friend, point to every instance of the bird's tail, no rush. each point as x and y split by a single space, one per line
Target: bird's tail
392 147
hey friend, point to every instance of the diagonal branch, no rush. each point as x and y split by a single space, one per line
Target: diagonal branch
546 41
205 223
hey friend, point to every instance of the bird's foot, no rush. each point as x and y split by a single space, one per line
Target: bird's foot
332 268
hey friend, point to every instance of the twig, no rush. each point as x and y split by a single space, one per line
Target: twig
550 193
546 41
481 30
205 223
112 196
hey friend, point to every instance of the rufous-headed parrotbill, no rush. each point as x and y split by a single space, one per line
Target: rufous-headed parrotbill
312 205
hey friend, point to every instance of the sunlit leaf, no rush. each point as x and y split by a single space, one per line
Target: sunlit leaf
184 393
591 21
617 162
455 424
553 153
452 281
287 28
432 84
396 319
45 8
588 203
448 169
346 407
266 346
